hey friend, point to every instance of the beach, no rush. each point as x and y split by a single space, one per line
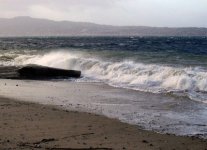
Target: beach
39 115
132 93
158 112
26 125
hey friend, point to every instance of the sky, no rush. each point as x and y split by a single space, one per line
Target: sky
159 13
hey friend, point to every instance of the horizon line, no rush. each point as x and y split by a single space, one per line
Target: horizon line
102 24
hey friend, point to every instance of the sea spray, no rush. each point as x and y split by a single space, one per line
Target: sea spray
155 78
176 65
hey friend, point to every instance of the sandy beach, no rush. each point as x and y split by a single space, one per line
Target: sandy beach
33 126
103 75
158 112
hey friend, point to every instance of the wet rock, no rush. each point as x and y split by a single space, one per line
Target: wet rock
145 141
37 71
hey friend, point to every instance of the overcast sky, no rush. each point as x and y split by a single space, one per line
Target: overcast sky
171 13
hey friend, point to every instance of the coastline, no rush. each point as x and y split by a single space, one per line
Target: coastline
157 112
27 125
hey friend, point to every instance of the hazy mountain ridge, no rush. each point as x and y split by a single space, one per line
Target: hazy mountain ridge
27 26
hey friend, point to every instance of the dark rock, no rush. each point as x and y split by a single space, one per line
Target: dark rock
145 141
37 71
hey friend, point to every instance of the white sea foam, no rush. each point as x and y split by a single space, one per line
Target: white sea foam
190 81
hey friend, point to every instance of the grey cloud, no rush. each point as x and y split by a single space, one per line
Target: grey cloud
115 12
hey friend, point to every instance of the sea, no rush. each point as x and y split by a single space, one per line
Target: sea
173 66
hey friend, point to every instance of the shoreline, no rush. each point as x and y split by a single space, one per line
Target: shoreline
28 125
155 112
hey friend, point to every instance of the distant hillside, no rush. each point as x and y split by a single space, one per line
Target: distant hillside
27 26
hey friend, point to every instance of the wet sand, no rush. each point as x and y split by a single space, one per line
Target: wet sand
33 126
157 112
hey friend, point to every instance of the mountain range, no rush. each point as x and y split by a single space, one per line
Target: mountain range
27 26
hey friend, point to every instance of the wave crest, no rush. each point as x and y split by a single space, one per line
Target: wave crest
190 81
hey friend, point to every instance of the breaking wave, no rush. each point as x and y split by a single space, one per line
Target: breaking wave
188 81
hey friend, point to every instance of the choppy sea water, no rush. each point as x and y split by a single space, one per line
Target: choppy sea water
172 66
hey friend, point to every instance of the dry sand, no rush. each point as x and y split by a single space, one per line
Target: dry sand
33 126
